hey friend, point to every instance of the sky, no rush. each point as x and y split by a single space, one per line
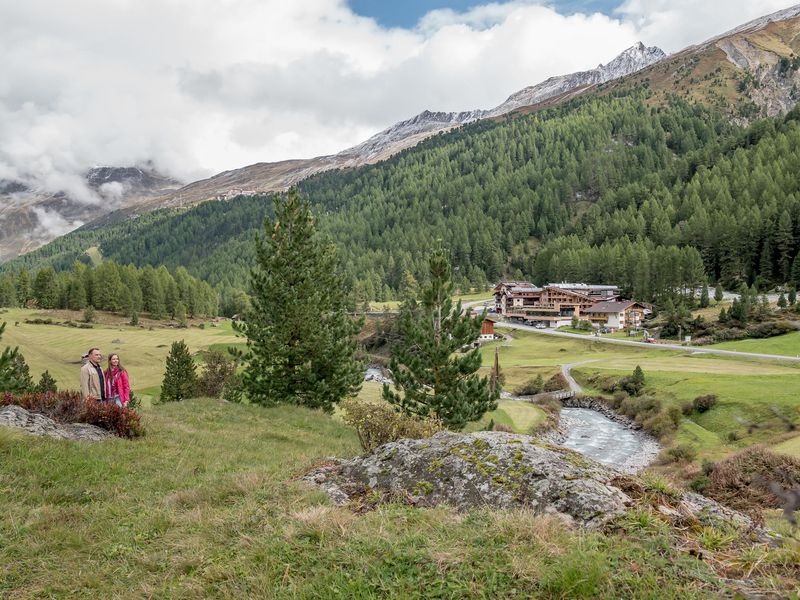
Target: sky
200 86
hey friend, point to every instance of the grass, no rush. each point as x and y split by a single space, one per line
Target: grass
519 416
787 345
791 446
208 504
142 351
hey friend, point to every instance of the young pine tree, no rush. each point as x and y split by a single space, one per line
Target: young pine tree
704 301
301 340
792 296
46 383
14 374
180 379
718 295
429 373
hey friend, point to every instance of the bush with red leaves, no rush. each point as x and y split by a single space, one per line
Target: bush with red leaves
67 407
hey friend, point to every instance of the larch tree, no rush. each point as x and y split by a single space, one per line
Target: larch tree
301 341
431 374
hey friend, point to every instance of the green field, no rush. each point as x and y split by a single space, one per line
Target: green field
208 504
58 348
787 345
748 389
791 446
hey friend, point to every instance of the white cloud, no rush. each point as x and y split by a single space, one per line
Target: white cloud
51 224
201 86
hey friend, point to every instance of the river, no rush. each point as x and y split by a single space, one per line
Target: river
606 441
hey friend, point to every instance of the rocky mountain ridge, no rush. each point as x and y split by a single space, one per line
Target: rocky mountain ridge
31 217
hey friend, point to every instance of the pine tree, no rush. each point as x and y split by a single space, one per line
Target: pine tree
795 274
430 374
23 287
46 383
8 292
180 313
12 375
782 301
301 341
89 314
792 296
718 295
15 376
704 301
180 378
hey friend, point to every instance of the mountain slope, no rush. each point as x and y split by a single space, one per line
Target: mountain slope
30 217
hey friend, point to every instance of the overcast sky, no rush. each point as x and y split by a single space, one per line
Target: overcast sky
200 86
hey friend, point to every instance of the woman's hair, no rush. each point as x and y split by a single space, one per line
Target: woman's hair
112 355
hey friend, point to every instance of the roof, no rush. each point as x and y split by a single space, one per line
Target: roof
522 290
582 286
611 307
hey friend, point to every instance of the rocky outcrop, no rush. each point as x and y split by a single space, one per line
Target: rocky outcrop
37 424
494 469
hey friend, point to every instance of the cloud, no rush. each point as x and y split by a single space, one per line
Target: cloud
51 224
204 86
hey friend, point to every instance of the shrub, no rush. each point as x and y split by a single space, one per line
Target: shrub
502 427
552 412
378 423
700 483
556 383
742 481
233 390
531 387
67 407
617 399
687 408
134 403
218 370
703 403
681 453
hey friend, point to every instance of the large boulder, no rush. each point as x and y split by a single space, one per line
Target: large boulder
38 424
505 470
486 468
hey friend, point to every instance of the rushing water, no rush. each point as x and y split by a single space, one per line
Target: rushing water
606 441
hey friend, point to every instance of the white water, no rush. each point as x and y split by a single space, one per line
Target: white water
607 442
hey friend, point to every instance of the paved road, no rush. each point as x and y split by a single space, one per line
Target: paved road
692 349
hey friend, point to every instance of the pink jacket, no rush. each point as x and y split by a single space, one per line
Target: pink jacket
117 385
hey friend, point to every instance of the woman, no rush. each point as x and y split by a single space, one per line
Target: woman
118 389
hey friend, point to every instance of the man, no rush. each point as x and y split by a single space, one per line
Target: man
93 384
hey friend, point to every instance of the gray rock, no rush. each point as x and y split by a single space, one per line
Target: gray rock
505 470
38 424
485 468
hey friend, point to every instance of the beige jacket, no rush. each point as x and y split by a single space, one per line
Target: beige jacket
90 382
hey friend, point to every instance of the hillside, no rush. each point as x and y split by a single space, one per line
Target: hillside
604 188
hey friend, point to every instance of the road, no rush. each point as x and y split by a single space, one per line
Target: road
657 346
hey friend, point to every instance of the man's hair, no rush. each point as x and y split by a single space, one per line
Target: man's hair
92 350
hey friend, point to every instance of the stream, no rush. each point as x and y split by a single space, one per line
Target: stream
606 441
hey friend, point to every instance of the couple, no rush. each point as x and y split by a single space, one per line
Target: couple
110 385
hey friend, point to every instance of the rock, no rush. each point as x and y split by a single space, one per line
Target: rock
37 424
485 468
505 470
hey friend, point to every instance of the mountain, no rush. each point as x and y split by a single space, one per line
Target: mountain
632 60
279 176
31 217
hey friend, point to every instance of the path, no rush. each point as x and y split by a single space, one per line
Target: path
565 371
657 346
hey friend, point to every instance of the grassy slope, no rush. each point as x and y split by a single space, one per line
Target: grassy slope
208 505
787 344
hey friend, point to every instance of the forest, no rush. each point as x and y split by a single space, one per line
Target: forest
112 287
658 200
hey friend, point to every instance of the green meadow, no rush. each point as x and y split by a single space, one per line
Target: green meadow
209 504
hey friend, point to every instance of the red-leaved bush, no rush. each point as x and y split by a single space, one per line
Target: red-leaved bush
67 407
